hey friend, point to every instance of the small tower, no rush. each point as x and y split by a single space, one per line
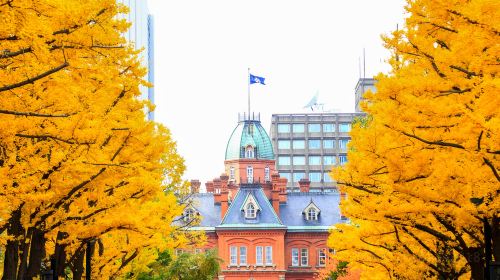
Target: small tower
249 152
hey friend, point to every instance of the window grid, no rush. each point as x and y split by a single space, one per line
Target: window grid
243 255
304 258
233 253
322 257
259 255
295 257
314 144
284 144
269 255
314 127
299 160
283 128
299 144
298 128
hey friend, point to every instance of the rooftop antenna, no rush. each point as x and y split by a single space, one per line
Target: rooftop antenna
364 64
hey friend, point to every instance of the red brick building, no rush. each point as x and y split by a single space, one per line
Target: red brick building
260 230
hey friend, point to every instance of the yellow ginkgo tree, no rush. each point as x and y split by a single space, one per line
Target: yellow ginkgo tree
422 181
79 164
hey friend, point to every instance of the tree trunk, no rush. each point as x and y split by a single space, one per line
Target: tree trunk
495 236
445 263
475 258
37 253
23 256
77 265
60 254
11 261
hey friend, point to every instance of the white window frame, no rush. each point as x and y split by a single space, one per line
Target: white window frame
231 173
243 255
311 214
250 211
189 214
269 255
322 256
267 174
259 255
233 255
295 256
304 258
250 174
249 152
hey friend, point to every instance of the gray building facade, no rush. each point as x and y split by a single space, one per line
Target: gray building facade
309 145
363 85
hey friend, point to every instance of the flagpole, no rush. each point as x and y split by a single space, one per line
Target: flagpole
248 93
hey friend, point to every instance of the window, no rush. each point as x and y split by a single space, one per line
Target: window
189 215
315 176
298 128
249 152
286 175
295 257
283 128
328 127
314 144
327 178
311 214
298 175
328 160
304 257
328 144
344 127
269 255
322 257
233 255
314 160
299 160
314 127
243 255
343 144
299 144
343 160
267 175
231 173
197 251
250 174
283 144
250 211
259 256
283 160
179 252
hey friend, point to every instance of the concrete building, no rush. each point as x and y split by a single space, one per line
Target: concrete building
309 145
260 230
141 34
362 86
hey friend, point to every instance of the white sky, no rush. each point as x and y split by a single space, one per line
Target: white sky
203 49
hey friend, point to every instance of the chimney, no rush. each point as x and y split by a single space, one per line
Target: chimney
282 187
304 185
209 186
224 205
275 193
195 186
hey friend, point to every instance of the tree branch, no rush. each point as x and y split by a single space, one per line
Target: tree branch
439 143
492 167
32 114
8 54
45 137
31 80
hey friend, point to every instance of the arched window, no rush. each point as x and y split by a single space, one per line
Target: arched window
250 212
249 152
311 214
267 176
249 174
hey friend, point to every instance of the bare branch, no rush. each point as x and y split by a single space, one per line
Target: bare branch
439 143
8 54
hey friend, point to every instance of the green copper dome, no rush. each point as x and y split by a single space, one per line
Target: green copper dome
249 133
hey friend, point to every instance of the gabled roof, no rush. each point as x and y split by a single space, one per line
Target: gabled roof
210 213
266 217
250 199
328 203
311 204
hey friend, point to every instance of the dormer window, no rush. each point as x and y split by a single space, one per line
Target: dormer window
250 207
311 212
189 214
250 211
249 152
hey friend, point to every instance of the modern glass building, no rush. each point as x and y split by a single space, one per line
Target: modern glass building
309 145
141 34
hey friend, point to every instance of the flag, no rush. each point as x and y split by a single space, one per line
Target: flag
256 80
